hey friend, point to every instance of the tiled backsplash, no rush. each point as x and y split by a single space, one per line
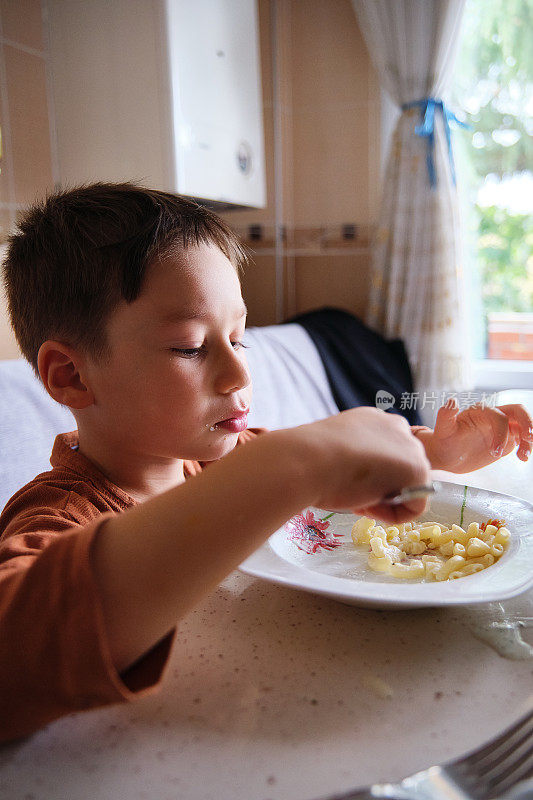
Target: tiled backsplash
321 108
325 238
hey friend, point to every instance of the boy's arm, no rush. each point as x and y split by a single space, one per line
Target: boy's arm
153 563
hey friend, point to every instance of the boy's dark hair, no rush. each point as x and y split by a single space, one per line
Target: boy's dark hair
80 252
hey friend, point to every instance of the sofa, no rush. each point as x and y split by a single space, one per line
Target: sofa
301 372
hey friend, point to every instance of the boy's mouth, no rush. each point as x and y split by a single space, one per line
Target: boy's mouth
235 424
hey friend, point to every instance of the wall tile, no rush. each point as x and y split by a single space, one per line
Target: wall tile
22 22
8 344
331 166
328 107
259 290
7 221
329 59
26 79
341 281
5 196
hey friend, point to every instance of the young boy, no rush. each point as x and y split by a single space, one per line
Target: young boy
127 303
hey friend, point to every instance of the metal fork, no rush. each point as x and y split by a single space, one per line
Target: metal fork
412 493
502 769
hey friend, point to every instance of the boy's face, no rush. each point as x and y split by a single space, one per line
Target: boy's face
176 384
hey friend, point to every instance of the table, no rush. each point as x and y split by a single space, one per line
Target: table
275 694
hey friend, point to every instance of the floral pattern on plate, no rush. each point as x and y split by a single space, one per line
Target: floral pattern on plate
311 534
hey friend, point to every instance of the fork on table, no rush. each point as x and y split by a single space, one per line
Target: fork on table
502 769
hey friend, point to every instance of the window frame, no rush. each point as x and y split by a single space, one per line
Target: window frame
496 374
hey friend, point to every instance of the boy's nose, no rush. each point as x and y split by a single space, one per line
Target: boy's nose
233 373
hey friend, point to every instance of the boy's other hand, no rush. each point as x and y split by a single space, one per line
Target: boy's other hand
468 440
361 456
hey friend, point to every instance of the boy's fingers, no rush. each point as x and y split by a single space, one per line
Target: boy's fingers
524 450
446 416
400 513
520 427
518 415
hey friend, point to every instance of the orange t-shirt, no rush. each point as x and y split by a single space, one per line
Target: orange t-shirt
54 653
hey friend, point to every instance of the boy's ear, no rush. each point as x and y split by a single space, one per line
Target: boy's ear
59 368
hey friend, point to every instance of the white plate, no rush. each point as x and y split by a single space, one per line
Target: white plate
342 572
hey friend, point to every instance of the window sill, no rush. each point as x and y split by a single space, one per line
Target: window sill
498 374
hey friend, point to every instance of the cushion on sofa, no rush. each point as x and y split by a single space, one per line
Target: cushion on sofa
29 423
360 363
290 385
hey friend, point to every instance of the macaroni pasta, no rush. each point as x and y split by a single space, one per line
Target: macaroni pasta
431 551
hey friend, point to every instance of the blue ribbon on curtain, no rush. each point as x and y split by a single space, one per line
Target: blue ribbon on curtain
429 106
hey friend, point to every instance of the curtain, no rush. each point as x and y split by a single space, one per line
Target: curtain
417 283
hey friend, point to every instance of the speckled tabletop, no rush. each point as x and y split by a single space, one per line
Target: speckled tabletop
273 694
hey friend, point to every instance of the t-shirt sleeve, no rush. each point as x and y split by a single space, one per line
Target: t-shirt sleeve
54 653
55 658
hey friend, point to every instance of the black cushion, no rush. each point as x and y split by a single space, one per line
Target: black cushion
359 362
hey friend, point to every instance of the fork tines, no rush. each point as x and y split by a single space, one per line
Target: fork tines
498 765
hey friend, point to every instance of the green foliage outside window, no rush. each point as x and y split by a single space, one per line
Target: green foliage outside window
493 85
505 247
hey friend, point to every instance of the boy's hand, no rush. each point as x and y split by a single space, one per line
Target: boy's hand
362 455
468 440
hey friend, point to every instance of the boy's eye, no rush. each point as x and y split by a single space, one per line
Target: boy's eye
188 352
194 352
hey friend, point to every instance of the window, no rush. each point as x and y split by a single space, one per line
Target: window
493 85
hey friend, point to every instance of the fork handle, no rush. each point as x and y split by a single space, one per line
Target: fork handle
385 791
430 784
